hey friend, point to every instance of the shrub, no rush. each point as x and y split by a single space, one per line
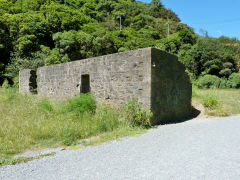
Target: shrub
208 81
16 82
234 80
228 65
224 84
9 94
5 84
106 118
225 72
210 102
135 115
79 105
122 49
46 105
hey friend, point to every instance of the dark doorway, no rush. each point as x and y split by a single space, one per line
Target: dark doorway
85 84
33 82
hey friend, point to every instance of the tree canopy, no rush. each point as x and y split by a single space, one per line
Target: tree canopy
43 32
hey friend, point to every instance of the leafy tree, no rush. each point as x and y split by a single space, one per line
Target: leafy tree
158 3
187 37
208 81
211 58
170 44
234 80
43 32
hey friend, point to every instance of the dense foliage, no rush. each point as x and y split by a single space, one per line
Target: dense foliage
202 55
210 61
44 32
208 81
234 80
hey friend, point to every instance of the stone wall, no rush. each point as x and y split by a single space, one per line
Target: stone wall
155 78
27 81
171 89
115 78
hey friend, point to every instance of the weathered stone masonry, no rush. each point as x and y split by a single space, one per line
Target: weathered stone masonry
27 81
155 78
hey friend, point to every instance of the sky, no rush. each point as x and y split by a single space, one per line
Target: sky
217 17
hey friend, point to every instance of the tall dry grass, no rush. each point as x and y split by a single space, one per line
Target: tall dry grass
28 122
218 102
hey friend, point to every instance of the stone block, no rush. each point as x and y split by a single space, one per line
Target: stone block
155 78
27 81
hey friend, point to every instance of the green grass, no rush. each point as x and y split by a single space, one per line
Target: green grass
218 102
30 122
109 136
22 159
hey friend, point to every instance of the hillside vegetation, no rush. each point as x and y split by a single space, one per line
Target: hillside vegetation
44 32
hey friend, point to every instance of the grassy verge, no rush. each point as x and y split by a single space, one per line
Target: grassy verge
218 102
30 122
22 159
109 136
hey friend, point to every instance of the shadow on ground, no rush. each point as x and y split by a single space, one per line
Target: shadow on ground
195 114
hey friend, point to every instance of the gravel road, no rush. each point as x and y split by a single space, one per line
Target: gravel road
196 149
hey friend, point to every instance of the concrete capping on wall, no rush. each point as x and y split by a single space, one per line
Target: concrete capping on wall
155 78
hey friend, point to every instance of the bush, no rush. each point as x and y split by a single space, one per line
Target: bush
225 72
5 84
79 105
106 118
135 115
9 94
234 80
16 82
122 49
208 81
46 105
210 102
214 106
224 84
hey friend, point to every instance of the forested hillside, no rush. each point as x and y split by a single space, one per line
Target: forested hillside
43 32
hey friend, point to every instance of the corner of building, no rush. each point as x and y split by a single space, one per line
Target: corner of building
171 89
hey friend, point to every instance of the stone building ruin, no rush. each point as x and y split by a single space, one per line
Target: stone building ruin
154 77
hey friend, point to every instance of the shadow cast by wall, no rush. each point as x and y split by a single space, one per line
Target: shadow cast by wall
194 114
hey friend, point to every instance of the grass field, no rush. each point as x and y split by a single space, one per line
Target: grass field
218 102
30 122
